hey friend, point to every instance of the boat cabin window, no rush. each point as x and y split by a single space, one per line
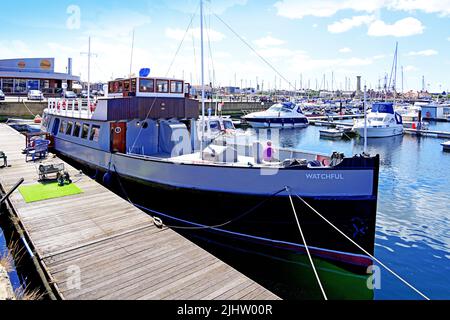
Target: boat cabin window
228 125
215 126
146 85
162 86
69 128
126 85
133 85
95 132
62 128
280 108
176 86
77 129
85 131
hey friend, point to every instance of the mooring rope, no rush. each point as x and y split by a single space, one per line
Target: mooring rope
306 246
363 250
159 221
28 109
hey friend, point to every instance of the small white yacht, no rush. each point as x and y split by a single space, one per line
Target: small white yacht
280 115
216 126
382 122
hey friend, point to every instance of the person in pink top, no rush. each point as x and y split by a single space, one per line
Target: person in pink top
269 153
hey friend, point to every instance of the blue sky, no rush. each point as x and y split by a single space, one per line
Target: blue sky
300 38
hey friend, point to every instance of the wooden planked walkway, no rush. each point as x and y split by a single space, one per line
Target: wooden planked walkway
98 246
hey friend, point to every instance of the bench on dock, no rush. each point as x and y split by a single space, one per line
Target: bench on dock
39 151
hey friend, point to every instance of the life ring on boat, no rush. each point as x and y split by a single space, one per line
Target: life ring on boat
58 106
325 162
64 105
92 107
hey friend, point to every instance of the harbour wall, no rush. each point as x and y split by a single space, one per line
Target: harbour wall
21 109
26 109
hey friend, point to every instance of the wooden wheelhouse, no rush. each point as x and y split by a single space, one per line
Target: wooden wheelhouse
148 87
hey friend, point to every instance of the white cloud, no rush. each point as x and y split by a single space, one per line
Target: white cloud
15 49
210 34
345 50
275 52
295 9
189 6
410 68
441 7
347 24
401 28
268 41
116 25
425 53
379 56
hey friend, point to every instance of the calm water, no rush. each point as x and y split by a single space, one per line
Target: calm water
413 225
413 222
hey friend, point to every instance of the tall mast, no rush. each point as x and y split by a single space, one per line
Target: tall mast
132 52
203 78
365 119
89 74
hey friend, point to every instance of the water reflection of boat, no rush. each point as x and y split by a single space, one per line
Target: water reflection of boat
331 133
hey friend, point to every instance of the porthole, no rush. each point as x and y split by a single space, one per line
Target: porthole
118 130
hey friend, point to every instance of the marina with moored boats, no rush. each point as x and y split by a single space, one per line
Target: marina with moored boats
154 189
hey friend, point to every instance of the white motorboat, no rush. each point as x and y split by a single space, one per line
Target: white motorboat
280 115
382 122
446 146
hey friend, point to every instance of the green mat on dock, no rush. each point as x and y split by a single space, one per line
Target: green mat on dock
45 191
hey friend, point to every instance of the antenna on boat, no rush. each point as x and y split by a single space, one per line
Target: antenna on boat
89 54
365 119
203 78
132 53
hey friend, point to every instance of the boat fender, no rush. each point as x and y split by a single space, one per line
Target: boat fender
107 178
158 222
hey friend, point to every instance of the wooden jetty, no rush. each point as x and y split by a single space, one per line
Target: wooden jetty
428 133
96 245
322 123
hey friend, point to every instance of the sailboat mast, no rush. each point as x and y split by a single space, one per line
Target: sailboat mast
132 53
89 75
203 77
365 119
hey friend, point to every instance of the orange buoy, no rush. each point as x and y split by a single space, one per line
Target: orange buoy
38 119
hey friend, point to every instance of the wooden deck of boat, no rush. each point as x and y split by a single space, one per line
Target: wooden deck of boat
114 247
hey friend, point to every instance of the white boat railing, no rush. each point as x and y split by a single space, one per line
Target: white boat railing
74 108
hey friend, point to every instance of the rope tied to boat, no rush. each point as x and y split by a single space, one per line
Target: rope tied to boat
306 246
362 249
160 224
